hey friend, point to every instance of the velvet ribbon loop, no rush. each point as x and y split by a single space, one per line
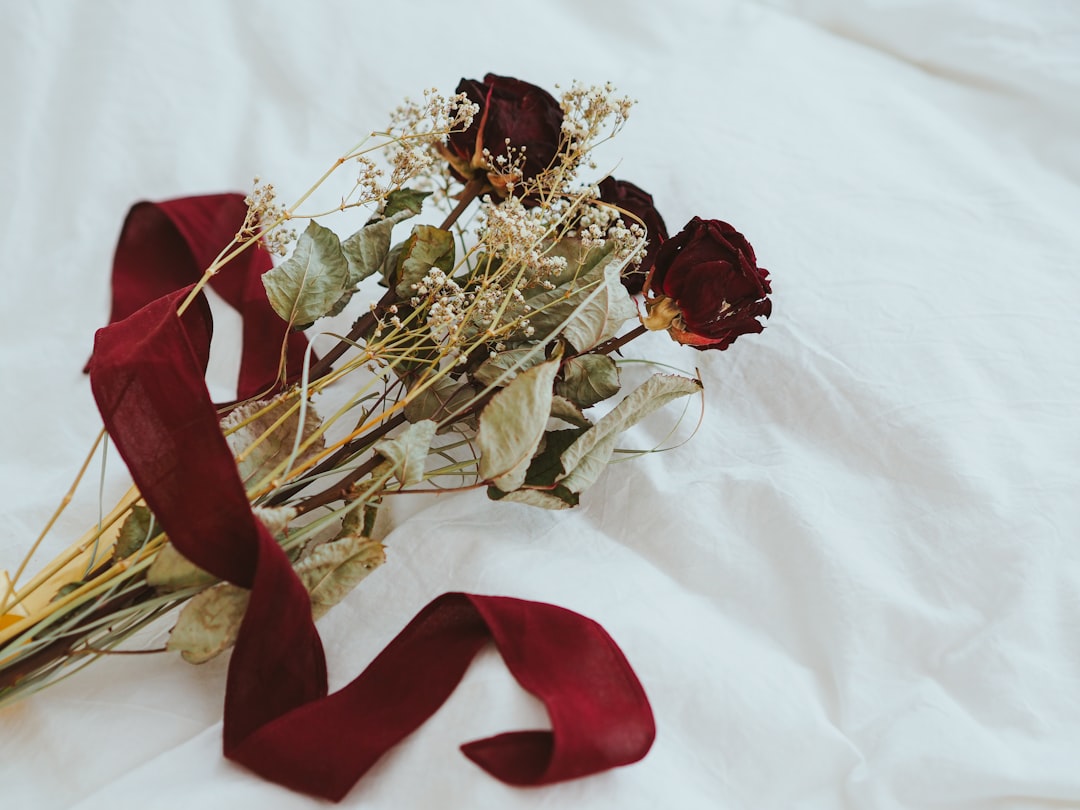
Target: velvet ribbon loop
147 377
167 245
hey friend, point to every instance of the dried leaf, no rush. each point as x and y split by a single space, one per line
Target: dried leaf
517 360
569 412
404 199
588 379
209 623
172 571
545 469
408 451
136 531
275 449
512 425
558 498
331 570
306 286
275 518
64 590
361 519
594 282
584 460
367 249
601 315
588 468
427 247
439 400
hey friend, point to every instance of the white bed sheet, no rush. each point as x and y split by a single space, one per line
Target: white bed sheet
858 584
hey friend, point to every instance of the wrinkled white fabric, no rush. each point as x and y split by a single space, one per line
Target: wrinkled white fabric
857 585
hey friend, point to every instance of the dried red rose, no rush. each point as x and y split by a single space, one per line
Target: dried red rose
638 202
705 287
510 110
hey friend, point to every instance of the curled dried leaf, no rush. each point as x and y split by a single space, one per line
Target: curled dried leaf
209 623
331 570
265 433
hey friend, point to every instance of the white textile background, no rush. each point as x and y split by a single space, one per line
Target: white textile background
858 584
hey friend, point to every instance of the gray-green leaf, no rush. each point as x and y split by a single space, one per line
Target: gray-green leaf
589 379
592 298
538 497
275 518
593 449
590 465
404 199
569 412
360 520
427 247
209 623
544 470
366 250
408 451
172 571
136 531
493 369
309 283
600 316
512 425
438 400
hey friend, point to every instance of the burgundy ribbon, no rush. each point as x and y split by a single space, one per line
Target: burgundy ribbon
147 377
165 246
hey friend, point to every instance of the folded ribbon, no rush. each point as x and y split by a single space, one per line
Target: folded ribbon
167 245
147 378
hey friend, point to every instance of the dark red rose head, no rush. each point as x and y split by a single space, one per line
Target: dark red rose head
705 287
510 110
638 202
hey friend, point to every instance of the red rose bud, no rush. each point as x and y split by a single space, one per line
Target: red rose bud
513 111
639 203
705 287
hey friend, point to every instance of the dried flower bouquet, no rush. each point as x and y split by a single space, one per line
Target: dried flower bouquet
480 366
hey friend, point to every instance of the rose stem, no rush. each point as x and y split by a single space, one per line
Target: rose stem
336 458
608 346
341 488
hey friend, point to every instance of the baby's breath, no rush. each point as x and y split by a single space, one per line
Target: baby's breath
520 236
592 114
265 219
369 184
416 127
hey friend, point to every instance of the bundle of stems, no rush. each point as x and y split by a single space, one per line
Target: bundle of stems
478 365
